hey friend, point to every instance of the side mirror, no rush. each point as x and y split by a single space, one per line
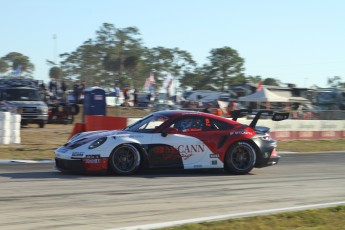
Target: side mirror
169 131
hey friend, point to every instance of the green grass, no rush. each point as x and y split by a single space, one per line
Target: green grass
332 218
312 145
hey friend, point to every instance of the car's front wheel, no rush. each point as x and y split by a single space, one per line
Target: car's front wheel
125 160
240 158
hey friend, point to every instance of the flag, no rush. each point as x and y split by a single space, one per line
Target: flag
149 81
259 86
167 81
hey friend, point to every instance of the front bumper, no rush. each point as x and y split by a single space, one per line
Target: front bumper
85 165
34 118
64 165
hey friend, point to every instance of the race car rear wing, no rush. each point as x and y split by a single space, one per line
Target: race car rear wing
276 116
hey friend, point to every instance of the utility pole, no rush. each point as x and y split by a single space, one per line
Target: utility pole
55 49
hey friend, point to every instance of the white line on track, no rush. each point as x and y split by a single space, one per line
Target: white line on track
25 161
229 216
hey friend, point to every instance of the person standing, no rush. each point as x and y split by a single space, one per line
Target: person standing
76 92
117 94
135 97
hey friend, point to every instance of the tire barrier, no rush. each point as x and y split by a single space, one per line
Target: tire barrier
9 128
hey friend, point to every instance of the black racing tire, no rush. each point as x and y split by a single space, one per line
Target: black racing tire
125 160
41 124
240 158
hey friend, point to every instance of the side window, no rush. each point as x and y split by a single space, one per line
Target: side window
189 124
213 124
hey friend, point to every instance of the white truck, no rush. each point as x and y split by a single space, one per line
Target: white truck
22 96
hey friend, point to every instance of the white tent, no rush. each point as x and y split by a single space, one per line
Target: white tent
264 95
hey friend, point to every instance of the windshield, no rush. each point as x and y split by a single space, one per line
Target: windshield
148 124
326 97
22 95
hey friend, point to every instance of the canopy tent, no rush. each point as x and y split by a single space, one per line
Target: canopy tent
264 95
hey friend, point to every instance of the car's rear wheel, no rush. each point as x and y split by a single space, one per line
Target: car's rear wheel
125 160
240 158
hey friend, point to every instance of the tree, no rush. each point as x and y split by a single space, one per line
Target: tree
254 79
335 81
84 64
18 61
226 67
271 81
197 79
122 52
175 61
56 73
3 66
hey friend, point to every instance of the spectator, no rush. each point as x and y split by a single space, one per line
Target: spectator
53 86
76 92
207 108
117 94
135 97
63 89
233 105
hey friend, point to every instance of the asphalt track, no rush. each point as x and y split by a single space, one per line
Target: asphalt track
35 196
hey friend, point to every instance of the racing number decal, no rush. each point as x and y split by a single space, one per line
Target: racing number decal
164 155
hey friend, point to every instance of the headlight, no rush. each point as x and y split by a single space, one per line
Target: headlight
97 143
3 108
43 109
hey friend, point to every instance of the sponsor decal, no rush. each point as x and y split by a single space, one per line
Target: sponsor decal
95 164
266 155
187 151
214 162
92 160
305 134
98 97
191 148
77 154
136 136
282 134
214 156
328 134
167 152
197 166
241 133
92 156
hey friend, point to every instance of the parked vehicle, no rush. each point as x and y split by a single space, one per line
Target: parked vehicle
22 96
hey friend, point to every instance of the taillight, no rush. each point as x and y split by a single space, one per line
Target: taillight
267 137
274 153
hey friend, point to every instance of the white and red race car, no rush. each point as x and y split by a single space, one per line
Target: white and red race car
173 139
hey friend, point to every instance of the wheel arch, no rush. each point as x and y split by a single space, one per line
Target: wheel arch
141 150
249 142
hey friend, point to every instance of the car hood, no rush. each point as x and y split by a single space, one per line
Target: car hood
86 137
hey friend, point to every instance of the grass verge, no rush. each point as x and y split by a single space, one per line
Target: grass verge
315 219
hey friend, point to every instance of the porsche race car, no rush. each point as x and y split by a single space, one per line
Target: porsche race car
173 139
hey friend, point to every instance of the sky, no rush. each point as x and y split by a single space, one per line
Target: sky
295 41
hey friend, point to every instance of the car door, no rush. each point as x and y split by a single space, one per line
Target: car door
181 147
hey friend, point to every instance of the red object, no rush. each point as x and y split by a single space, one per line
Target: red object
93 123
259 86
78 128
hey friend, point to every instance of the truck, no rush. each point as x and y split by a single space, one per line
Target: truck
329 98
22 96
